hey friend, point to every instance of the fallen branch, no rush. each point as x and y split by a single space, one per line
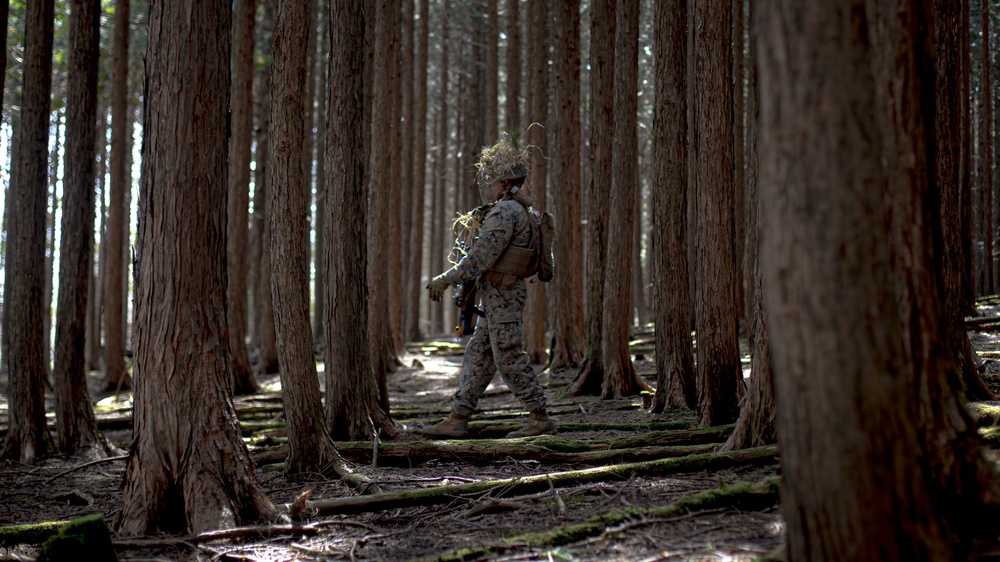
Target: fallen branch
84 465
29 533
526 485
748 496
264 531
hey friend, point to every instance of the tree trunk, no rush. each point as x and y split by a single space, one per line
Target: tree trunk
537 106
75 421
27 440
719 374
309 448
351 393
238 203
416 253
986 155
322 83
95 298
115 376
952 179
755 427
590 378
407 182
620 378
390 232
438 226
672 307
739 156
492 82
263 305
839 213
637 292
50 229
568 339
188 471
512 107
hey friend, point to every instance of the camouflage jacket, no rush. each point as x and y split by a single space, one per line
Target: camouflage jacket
506 224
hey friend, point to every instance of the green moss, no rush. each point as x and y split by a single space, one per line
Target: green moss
30 533
84 538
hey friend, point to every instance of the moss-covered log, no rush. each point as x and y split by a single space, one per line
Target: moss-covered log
531 484
745 496
29 533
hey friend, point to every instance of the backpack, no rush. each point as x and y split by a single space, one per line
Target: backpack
544 230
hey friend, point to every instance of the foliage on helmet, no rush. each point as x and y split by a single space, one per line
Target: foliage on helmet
507 159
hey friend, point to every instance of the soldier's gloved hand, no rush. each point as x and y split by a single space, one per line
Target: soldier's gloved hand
436 287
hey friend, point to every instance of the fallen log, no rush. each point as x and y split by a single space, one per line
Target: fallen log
525 485
745 496
29 533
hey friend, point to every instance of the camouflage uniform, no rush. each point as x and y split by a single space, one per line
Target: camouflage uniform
496 343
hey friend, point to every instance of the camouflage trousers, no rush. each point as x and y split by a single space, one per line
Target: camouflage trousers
496 345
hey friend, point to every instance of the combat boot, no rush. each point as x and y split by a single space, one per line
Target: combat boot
456 426
538 424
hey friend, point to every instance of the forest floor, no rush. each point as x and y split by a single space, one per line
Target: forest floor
639 509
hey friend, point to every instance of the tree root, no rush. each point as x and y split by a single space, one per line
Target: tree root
753 496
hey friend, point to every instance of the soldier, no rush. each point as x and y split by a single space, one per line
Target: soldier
501 256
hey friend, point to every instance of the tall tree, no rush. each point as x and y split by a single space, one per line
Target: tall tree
568 338
620 378
238 202
352 406
438 197
27 439
391 226
512 107
263 304
537 107
416 254
319 294
988 281
308 447
673 309
719 373
492 84
4 19
188 470
739 151
602 120
115 375
75 420
380 195
953 178
407 186
842 214
756 424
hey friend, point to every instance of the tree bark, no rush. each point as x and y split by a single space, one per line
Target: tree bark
75 421
319 271
672 307
620 378
986 154
188 471
952 177
719 374
512 107
407 182
309 448
352 408
115 376
492 75
438 197
590 378
739 156
537 107
755 426
27 440
568 340
263 305
391 232
416 254
840 211
238 202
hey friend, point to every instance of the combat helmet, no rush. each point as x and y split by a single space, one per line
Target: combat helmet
505 160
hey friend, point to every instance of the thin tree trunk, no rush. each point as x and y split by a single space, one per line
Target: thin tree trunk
115 376
620 378
492 83
407 183
986 155
438 227
536 104
95 298
416 251
27 439
590 378
75 420
391 230
672 306
719 374
238 202
309 447
320 70
755 426
512 106
50 232
569 338
739 155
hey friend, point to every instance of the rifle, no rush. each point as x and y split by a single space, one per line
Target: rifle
465 300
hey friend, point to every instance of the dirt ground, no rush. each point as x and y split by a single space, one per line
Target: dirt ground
64 488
